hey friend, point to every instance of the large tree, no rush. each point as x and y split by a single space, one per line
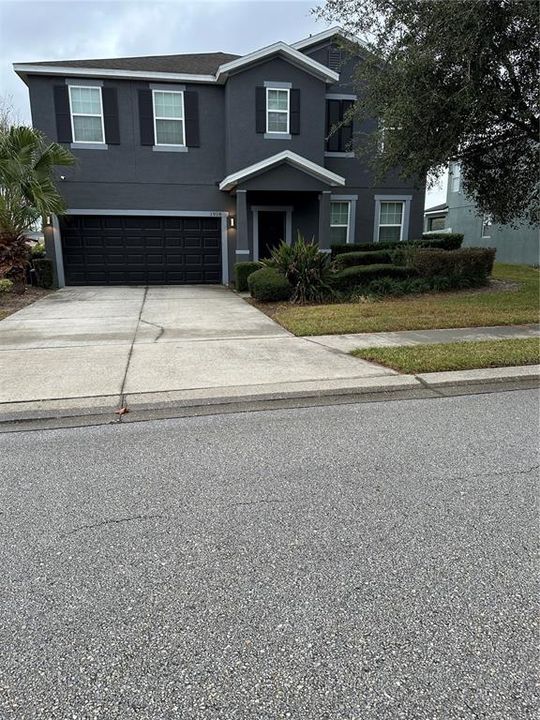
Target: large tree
451 81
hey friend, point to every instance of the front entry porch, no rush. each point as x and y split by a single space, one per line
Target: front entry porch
278 198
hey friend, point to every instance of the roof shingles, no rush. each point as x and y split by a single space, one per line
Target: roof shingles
190 64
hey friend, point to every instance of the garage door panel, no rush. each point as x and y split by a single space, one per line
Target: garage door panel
116 250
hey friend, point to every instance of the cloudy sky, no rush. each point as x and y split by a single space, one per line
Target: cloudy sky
72 29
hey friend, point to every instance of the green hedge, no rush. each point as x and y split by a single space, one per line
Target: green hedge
361 275
376 257
475 264
242 271
268 285
440 241
44 271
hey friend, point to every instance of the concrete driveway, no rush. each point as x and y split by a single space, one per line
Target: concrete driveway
125 341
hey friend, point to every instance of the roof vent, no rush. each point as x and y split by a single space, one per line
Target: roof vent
335 59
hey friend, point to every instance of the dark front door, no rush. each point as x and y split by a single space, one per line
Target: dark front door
140 250
271 231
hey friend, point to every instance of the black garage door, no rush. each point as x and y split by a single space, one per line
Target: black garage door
126 250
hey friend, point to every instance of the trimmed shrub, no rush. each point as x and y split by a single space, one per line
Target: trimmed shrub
377 257
44 271
269 284
440 241
38 250
242 271
473 264
357 276
306 268
444 241
6 285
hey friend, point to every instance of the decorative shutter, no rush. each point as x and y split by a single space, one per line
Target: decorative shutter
295 112
109 97
333 108
260 109
146 117
346 130
63 115
191 114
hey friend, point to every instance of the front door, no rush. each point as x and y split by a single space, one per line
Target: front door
271 231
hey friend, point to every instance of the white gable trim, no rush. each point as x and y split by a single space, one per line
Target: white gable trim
288 52
289 157
327 35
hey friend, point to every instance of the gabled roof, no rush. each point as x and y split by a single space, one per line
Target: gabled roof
191 63
280 49
327 35
289 157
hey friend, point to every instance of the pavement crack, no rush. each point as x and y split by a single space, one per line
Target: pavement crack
263 501
497 473
159 327
109 521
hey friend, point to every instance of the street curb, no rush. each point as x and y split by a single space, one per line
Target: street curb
71 412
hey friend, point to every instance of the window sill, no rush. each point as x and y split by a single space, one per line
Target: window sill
89 146
329 153
277 136
170 148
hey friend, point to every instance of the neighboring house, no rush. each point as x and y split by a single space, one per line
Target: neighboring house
514 245
435 218
191 163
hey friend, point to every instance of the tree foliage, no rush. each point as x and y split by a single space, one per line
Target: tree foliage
452 81
27 191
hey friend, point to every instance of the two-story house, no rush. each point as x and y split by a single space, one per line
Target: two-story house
190 163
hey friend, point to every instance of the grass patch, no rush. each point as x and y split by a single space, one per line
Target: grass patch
455 356
508 306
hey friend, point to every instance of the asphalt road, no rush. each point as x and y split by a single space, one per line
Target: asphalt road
355 562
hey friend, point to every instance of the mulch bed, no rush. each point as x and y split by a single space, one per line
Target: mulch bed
12 302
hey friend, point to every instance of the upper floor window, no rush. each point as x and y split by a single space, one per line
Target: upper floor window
339 222
339 125
390 221
487 221
455 182
277 110
169 127
86 114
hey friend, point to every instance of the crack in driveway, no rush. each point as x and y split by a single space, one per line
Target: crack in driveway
159 327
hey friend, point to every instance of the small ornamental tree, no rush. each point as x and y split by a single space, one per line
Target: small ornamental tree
27 192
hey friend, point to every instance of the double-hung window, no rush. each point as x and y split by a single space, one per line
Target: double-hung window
277 110
391 221
487 221
455 171
86 114
339 222
169 126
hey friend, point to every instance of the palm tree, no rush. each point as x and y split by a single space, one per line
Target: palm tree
27 192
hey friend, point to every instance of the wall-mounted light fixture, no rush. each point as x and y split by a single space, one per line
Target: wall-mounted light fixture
231 222
48 220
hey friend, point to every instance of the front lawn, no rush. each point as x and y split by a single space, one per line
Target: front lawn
516 304
455 356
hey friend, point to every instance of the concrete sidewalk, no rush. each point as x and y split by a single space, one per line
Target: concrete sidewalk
347 343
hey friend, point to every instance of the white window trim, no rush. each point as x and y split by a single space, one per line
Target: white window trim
455 176
487 222
401 226
288 111
348 226
162 117
72 114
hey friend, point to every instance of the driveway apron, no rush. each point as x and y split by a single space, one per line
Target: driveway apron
105 341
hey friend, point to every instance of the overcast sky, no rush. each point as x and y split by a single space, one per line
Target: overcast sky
73 29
